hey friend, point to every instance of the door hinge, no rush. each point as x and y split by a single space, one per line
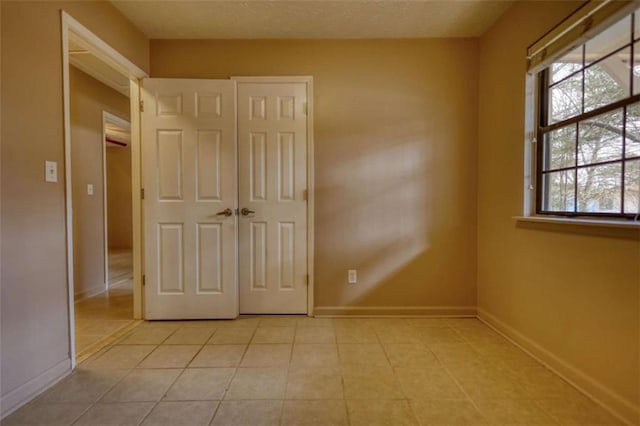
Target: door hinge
304 108
307 279
142 193
141 106
305 195
144 280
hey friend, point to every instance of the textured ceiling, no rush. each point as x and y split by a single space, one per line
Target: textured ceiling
311 19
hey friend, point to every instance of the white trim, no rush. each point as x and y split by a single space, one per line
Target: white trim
116 60
614 403
308 81
25 393
136 201
107 117
99 48
601 223
396 311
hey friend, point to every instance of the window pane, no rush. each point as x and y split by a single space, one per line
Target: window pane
607 41
636 30
632 187
600 138
636 67
565 99
607 81
567 65
560 148
599 189
632 140
558 191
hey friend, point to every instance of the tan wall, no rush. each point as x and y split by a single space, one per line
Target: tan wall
395 159
89 98
574 292
119 197
34 318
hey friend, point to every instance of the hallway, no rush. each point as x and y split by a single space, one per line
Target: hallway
103 318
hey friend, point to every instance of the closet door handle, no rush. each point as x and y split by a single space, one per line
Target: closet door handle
226 212
246 212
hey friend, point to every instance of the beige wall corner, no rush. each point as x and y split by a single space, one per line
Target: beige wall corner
395 158
89 98
570 295
35 323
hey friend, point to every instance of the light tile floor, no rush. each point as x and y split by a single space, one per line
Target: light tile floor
303 371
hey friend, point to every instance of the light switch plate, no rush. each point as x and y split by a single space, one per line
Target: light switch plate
89 189
51 171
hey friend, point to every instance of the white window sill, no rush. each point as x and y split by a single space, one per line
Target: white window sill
603 223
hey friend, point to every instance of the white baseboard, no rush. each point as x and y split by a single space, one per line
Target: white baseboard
25 393
394 311
616 404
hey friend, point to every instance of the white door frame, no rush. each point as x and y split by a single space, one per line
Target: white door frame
107 117
308 80
116 60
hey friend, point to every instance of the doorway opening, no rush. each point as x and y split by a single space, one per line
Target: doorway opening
101 101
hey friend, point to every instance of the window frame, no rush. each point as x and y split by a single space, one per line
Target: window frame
542 127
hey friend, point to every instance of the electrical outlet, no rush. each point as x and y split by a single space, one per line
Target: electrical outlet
89 189
353 276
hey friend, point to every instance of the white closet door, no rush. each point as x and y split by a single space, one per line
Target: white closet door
189 175
272 164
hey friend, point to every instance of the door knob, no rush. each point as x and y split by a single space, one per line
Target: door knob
226 212
246 212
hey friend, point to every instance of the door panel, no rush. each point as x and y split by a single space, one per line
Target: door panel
272 161
189 172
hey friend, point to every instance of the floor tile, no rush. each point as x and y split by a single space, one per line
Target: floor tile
448 413
404 334
83 386
46 414
577 410
355 334
410 355
540 382
258 383
315 355
119 357
314 383
142 386
380 413
315 335
454 353
370 383
232 336
190 336
314 322
196 384
489 383
219 356
439 335
514 412
273 355
279 321
434 383
170 356
362 353
147 335
253 413
274 335
314 413
121 414
240 322
187 413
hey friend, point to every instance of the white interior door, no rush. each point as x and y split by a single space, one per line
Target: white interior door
189 175
272 164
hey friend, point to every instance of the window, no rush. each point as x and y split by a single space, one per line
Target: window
588 131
